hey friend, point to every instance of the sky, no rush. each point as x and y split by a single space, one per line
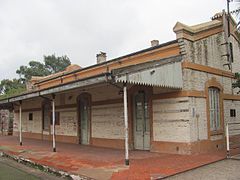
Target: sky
80 29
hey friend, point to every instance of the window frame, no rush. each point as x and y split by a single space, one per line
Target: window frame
214 84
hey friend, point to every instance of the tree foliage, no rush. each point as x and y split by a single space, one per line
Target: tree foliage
237 83
51 65
56 64
11 87
34 68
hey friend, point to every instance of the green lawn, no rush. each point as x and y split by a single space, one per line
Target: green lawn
11 173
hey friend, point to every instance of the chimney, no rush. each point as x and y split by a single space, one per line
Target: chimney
101 57
154 43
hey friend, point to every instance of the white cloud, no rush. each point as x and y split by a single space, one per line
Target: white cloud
80 29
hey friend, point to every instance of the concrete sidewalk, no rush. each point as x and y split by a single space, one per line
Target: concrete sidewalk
104 163
227 169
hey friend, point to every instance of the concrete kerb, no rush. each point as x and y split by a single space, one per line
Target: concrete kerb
235 157
44 168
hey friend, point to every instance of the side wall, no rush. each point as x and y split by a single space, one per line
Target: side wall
205 68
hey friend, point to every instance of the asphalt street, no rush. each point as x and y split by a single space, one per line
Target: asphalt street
11 170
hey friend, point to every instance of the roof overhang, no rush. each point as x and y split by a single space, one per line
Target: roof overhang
165 73
61 88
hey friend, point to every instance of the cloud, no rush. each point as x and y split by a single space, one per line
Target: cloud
80 29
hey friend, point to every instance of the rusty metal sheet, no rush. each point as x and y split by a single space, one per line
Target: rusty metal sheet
81 83
26 96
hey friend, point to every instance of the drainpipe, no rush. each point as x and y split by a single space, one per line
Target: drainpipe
20 122
53 122
198 138
126 123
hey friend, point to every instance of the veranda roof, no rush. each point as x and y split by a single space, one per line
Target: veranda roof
165 73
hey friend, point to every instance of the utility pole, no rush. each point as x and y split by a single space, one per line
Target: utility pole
228 16
1 122
227 34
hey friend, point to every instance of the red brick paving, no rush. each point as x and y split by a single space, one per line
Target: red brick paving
104 163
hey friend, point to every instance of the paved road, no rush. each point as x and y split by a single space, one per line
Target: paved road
11 170
222 170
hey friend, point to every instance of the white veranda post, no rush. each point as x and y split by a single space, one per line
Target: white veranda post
227 139
126 123
53 123
20 123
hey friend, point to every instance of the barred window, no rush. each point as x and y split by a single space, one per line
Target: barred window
214 109
232 112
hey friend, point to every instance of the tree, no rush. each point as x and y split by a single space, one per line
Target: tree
11 87
51 65
35 68
56 64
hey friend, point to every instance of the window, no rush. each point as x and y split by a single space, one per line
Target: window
57 118
214 109
30 116
232 112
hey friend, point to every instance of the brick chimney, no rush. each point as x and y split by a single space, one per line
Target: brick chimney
154 43
101 57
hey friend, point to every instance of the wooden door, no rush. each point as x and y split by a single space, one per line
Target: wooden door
84 119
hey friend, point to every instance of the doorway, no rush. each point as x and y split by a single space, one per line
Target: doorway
141 125
84 115
46 119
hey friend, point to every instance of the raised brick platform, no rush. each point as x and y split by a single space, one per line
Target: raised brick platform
105 163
